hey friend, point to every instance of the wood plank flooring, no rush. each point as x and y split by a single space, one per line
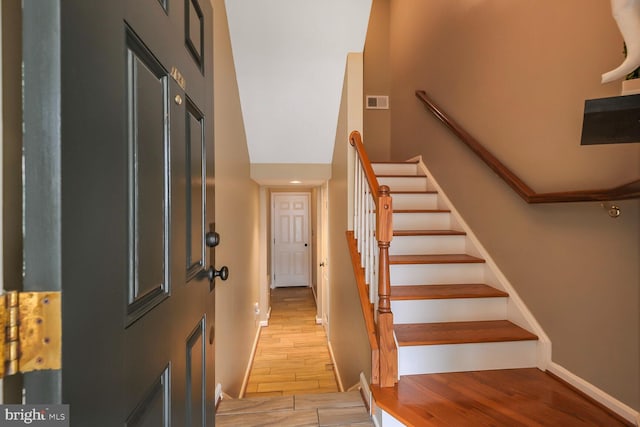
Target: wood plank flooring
513 397
292 356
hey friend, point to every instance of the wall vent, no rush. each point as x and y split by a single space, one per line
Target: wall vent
377 102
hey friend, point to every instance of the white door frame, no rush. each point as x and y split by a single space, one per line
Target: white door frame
274 194
322 316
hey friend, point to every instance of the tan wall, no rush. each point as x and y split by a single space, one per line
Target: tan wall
237 217
377 81
516 74
347 332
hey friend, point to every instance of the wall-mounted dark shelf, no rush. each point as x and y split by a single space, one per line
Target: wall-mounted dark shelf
613 120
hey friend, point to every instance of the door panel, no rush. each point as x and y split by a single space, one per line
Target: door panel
148 201
195 377
195 191
194 28
154 409
137 157
291 239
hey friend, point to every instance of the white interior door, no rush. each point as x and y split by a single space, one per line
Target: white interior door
291 239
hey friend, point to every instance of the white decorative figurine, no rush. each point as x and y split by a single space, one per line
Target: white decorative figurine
627 16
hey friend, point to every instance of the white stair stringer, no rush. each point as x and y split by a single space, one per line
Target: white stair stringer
430 359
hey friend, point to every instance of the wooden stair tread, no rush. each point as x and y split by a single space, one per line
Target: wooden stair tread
422 292
428 233
387 162
421 211
413 334
434 259
398 175
413 192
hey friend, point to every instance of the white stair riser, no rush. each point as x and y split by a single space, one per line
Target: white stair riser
415 201
448 310
404 184
395 168
435 274
384 419
410 245
430 359
422 221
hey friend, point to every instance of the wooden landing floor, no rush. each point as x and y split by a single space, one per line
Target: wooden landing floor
514 397
292 356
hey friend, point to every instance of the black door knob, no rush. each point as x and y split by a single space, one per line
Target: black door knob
212 273
212 239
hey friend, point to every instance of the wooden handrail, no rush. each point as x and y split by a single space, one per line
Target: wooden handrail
355 139
630 190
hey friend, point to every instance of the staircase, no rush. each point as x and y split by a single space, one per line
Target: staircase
451 311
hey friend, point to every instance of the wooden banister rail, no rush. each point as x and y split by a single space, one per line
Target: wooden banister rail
629 190
355 139
375 200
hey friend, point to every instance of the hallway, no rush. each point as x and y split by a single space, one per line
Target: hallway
292 356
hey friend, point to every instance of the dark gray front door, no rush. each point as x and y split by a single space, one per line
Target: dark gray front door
119 187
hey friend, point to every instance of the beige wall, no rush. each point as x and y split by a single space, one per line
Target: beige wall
347 332
377 81
516 75
237 219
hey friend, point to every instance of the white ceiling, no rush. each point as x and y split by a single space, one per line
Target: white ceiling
290 58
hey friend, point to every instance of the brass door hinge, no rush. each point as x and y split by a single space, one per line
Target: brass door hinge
31 332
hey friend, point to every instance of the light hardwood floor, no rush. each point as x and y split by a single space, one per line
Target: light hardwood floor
292 356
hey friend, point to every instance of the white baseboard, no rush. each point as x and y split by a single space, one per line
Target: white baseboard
265 322
245 381
218 394
595 393
335 367
318 320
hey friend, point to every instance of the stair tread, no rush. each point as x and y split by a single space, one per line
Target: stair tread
428 233
414 334
413 192
434 259
421 292
421 211
397 175
385 162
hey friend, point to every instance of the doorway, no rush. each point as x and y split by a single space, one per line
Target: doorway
291 239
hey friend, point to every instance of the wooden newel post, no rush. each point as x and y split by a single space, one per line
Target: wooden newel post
384 235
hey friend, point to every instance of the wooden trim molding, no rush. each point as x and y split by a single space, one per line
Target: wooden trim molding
629 190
